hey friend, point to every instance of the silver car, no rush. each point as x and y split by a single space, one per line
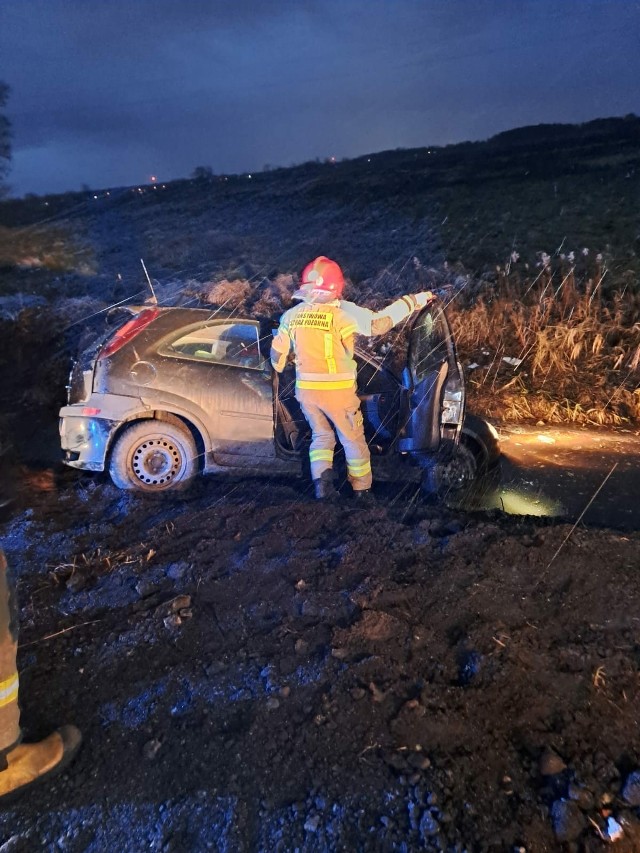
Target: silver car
173 392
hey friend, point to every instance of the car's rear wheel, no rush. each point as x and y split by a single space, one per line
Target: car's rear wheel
154 456
450 475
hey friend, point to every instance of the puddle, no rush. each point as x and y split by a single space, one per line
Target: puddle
591 474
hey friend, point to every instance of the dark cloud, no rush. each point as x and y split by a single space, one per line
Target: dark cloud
128 87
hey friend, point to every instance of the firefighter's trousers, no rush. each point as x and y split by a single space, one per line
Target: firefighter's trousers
340 408
9 710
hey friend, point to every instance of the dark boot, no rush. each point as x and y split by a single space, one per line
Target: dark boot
364 497
324 487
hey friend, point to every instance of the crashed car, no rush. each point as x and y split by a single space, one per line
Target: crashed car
173 392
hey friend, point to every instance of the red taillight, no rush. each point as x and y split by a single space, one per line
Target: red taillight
128 332
90 412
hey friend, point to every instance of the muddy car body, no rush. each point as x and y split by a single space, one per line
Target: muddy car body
177 391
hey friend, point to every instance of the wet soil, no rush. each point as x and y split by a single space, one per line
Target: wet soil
254 670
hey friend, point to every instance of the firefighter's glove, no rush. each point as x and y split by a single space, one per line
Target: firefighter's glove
423 299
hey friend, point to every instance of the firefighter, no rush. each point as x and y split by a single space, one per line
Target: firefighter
321 331
21 764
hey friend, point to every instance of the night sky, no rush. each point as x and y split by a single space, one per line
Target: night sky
109 92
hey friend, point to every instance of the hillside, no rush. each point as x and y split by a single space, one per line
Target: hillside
529 190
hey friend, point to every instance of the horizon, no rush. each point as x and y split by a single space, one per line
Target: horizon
109 95
156 182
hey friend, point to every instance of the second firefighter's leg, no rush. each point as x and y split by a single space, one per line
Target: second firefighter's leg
22 764
323 441
9 710
347 417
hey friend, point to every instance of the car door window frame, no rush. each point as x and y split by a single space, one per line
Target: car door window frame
425 357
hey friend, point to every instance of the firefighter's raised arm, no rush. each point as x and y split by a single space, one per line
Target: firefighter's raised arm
370 323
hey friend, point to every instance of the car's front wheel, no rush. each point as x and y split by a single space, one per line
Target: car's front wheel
449 475
153 456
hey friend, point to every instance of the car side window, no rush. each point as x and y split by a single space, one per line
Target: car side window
428 345
233 344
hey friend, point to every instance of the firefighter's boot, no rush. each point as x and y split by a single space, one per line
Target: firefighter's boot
364 497
28 763
324 487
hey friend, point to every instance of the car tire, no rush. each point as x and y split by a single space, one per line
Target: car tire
450 475
154 456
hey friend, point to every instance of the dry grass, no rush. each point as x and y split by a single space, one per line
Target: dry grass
94 563
267 298
231 295
45 247
580 352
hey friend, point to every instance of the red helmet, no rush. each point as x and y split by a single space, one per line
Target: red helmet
323 279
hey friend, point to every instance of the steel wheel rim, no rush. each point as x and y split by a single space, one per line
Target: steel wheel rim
157 461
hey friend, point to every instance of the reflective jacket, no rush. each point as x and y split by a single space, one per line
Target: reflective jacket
322 339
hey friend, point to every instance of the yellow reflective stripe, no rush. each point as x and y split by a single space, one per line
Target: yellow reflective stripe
359 466
328 354
359 469
348 330
337 385
321 455
410 302
9 690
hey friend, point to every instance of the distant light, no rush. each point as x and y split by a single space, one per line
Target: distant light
153 179
46 204
164 186
95 196
249 176
108 193
368 159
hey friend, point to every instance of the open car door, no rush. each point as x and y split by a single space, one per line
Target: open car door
434 380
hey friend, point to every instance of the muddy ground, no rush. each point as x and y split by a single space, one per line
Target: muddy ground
253 670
